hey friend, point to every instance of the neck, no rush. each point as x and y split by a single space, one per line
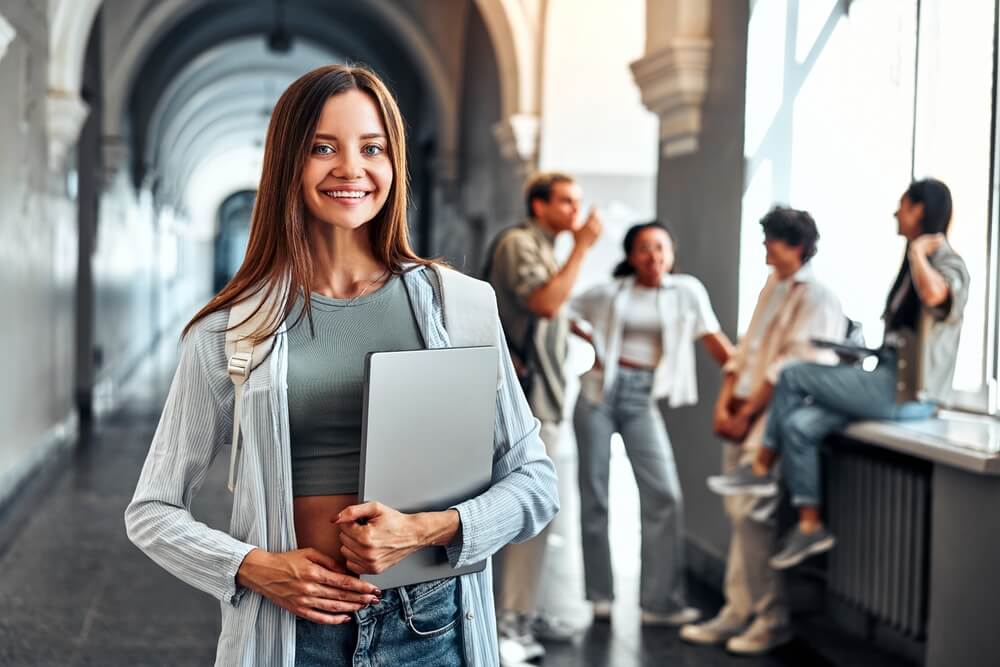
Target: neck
787 271
549 228
648 281
343 261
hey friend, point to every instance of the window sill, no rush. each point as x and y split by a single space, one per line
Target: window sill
970 442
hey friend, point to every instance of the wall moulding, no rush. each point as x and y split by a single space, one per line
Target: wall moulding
517 137
674 82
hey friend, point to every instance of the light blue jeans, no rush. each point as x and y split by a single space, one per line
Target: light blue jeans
629 410
811 401
413 625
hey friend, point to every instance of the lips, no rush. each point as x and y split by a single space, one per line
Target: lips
348 198
346 194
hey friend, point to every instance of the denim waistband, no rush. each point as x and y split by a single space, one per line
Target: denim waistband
627 373
394 599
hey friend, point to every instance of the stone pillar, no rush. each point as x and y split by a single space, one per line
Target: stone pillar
693 77
673 74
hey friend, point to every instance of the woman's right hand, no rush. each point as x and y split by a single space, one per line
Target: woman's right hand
307 583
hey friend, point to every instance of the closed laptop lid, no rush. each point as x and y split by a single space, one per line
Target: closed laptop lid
427 445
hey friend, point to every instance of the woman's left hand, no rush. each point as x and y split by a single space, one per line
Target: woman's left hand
375 537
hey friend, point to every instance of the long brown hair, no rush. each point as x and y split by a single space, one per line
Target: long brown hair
278 259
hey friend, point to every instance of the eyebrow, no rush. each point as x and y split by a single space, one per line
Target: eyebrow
371 135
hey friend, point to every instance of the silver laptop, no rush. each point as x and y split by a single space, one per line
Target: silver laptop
427 441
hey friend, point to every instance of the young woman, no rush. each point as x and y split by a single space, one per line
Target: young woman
643 327
329 243
923 321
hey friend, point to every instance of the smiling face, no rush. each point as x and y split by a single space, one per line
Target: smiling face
652 255
783 256
347 174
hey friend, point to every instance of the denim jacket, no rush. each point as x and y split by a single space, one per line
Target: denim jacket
195 427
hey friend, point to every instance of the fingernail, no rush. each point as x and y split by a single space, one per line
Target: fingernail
377 593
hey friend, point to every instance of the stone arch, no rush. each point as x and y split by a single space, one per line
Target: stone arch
160 17
71 22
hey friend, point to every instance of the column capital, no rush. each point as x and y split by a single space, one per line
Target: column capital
65 114
673 81
517 137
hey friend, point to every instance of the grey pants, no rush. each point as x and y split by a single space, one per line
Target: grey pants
522 564
629 410
753 588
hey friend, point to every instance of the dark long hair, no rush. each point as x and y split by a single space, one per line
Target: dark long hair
278 258
624 268
936 198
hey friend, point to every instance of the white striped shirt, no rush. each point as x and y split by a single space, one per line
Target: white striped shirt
196 425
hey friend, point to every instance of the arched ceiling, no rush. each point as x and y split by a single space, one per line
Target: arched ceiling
196 80
208 126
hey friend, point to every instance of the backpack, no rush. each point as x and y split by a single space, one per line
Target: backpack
524 369
470 318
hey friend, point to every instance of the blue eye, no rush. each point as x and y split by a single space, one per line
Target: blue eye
372 150
323 149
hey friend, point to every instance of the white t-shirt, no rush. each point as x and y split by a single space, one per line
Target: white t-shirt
685 316
642 338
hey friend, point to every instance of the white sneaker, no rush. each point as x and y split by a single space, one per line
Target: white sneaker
712 632
760 638
549 628
675 619
602 611
517 644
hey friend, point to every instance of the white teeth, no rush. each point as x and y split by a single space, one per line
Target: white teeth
346 194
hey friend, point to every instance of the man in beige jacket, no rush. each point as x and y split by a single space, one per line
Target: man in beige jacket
793 308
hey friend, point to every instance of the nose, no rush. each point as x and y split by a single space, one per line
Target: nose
348 167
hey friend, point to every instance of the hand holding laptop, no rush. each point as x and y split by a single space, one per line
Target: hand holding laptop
375 537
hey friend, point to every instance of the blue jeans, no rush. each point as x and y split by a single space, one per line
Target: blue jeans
413 625
629 410
811 401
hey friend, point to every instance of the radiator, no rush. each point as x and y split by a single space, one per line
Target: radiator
878 507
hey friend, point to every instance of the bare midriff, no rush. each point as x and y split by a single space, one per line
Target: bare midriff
314 527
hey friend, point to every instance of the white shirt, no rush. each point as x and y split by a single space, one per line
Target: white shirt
686 314
642 339
197 424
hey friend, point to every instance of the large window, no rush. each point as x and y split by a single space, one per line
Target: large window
843 109
952 142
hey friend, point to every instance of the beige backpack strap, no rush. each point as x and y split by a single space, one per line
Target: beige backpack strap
244 355
470 311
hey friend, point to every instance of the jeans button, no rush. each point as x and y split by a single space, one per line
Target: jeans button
469 616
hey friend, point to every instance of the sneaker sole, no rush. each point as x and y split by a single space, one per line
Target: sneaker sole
759 650
814 549
706 640
760 490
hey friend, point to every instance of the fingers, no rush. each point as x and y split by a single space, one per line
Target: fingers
328 572
349 584
356 512
320 558
337 594
357 563
317 616
333 606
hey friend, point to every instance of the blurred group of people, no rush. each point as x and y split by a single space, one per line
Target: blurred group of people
796 376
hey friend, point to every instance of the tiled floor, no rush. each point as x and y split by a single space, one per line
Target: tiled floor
74 591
